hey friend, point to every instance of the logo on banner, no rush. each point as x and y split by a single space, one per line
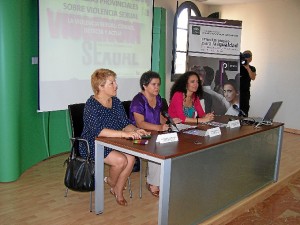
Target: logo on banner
230 65
196 30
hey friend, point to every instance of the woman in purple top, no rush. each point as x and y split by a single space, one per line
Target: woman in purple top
145 113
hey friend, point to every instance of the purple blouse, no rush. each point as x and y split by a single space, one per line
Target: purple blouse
139 104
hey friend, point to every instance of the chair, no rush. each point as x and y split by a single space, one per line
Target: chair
165 105
76 122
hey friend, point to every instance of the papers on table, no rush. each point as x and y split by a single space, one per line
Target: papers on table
197 132
215 124
181 127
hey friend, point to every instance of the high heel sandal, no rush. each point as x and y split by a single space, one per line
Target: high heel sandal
111 190
154 193
121 202
105 181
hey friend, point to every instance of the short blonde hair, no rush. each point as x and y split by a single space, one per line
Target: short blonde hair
99 77
248 52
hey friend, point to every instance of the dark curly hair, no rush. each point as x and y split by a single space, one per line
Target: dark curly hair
181 83
147 77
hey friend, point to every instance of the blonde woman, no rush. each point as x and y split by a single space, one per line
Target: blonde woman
104 116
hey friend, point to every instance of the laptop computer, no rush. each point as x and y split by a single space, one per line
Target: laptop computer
269 115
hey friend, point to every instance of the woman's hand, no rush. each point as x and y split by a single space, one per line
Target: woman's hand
130 135
177 120
134 134
164 127
142 132
208 117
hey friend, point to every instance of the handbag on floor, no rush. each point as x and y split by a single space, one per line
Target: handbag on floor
80 172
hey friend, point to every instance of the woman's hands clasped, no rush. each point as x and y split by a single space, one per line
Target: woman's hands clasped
208 117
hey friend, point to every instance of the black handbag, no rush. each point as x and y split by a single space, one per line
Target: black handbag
80 172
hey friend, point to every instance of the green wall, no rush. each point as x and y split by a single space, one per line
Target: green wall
27 136
24 133
159 46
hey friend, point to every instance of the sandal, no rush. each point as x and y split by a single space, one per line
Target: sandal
105 181
121 202
154 193
111 190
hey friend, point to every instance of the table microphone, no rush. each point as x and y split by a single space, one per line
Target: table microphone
169 118
241 112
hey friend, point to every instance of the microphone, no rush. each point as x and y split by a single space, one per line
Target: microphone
169 118
241 112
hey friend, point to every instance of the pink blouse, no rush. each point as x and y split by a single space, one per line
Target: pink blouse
176 106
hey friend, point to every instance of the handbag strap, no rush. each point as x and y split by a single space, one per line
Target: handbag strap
73 152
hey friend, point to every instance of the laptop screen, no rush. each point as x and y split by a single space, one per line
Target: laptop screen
272 111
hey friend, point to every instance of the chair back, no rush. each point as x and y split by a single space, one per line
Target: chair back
126 105
76 118
165 105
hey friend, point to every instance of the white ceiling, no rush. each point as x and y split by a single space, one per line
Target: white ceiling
226 2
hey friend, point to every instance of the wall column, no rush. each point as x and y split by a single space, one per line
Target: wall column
10 57
159 46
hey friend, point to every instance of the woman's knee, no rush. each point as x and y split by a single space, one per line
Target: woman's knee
116 159
120 161
131 160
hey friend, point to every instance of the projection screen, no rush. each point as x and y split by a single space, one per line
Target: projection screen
76 37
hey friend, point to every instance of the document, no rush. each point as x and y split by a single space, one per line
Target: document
182 126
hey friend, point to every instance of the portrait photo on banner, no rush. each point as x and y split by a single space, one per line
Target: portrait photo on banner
214 53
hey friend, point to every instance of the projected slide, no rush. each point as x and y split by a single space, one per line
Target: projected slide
78 36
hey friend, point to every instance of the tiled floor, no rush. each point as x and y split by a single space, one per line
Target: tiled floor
282 208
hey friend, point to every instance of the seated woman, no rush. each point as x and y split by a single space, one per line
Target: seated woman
104 116
145 112
185 99
231 93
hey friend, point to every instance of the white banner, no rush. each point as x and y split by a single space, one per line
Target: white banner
214 38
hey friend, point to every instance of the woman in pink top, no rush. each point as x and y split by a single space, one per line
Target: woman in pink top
185 99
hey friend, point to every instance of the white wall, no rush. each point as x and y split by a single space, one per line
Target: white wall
272 31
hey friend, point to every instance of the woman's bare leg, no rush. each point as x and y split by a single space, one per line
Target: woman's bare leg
117 162
120 169
124 175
